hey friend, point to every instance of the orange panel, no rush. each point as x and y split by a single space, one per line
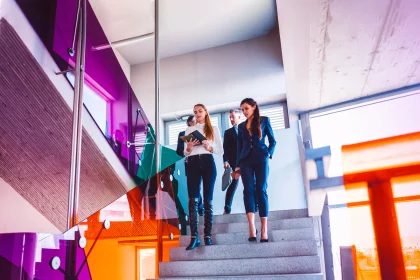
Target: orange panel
137 220
387 166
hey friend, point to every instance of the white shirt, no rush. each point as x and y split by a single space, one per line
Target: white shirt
216 143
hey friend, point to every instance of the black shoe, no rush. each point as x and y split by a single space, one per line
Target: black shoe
252 239
195 243
207 241
263 240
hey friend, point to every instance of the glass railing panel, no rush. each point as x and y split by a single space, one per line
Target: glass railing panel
38 256
123 238
108 95
146 156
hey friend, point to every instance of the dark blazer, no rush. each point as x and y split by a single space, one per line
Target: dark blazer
246 141
180 145
230 143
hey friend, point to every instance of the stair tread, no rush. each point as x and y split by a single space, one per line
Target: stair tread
244 251
272 225
249 266
242 237
273 215
305 276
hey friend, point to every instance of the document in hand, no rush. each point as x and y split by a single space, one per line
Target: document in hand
194 135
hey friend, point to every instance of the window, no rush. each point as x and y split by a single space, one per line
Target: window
173 131
140 137
276 115
95 104
355 123
274 112
174 128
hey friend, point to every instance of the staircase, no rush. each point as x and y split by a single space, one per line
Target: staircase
291 252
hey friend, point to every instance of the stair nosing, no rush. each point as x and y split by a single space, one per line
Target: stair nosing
250 243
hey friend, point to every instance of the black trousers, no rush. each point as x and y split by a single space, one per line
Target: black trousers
200 199
201 168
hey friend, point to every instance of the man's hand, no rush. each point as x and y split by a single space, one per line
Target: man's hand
237 173
227 165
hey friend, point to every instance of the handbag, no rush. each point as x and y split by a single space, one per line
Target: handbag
226 179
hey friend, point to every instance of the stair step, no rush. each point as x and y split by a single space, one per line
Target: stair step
250 250
234 267
274 215
242 237
272 225
312 276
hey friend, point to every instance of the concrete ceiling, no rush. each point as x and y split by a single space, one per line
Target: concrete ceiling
185 25
340 50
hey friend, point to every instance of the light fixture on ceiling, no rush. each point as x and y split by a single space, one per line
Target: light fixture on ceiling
124 42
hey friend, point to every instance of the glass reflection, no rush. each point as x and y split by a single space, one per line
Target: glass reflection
108 95
136 220
121 239
37 256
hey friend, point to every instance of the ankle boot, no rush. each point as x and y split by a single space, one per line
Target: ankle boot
193 211
208 222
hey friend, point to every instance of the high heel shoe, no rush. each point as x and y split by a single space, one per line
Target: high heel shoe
252 239
263 240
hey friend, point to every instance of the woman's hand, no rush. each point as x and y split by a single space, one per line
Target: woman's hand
237 173
207 145
191 144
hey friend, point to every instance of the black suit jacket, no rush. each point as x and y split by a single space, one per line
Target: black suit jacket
180 145
230 141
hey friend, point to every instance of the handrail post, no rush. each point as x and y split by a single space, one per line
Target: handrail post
157 128
72 218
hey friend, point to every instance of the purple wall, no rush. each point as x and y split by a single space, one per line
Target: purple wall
17 251
103 71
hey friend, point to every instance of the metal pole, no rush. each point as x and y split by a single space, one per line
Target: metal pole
71 49
157 126
77 120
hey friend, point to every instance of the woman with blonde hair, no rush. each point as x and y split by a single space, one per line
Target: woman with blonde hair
201 166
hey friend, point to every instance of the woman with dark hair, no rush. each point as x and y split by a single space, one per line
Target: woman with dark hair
253 155
201 166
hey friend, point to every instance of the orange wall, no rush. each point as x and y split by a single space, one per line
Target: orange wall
116 258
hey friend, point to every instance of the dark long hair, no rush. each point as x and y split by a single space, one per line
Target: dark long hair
256 120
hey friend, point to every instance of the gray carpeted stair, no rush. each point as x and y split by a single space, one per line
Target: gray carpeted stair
312 276
290 254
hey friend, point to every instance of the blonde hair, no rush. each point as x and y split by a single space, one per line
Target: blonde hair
208 128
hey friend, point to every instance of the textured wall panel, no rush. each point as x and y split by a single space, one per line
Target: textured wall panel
35 139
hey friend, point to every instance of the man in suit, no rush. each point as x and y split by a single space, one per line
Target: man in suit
230 140
180 152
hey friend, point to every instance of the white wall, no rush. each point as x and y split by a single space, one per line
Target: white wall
126 67
18 215
285 183
215 76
